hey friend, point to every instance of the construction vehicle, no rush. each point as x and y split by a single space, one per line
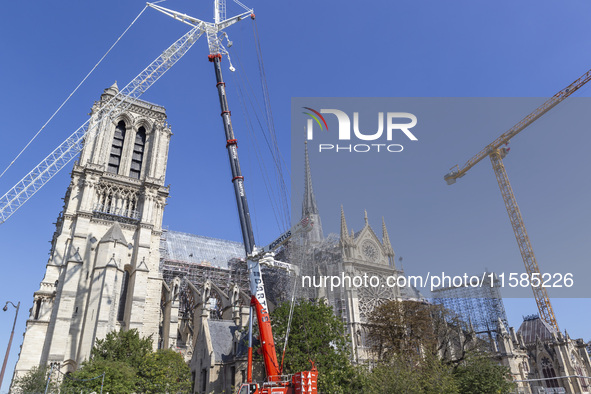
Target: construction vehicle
497 150
276 382
301 382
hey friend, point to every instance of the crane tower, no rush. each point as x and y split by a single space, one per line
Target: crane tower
496 151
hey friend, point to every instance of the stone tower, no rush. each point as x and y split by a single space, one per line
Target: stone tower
102 274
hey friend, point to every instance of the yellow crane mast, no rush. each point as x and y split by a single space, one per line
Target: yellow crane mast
497 152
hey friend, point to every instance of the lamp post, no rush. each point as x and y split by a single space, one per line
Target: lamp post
11 335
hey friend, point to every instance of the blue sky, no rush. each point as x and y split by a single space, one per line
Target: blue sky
310 49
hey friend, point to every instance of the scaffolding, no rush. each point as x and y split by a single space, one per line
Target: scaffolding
481 306
196 259
318 258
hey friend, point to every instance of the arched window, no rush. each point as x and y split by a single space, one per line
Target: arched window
123 297
117 148
548 372
138 153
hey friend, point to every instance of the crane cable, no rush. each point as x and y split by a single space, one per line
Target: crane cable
249 127
279 163
277 157
291 308
246 96
242 84
74 91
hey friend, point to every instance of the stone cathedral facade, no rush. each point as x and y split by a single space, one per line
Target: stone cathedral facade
103 269
352 254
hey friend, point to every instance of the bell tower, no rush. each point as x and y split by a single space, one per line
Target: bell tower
103 270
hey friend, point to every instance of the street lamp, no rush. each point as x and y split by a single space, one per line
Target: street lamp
11 335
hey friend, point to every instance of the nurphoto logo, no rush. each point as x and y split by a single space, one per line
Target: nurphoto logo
394 124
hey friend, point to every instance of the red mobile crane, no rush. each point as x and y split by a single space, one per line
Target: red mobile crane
301 382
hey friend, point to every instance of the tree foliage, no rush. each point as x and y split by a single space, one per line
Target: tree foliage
426 349
318 335
403 328
35 381
411 328
122 345
130 366
403 375
164 371
479 374
119 377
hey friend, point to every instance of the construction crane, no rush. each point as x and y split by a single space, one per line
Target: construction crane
276 382
497 150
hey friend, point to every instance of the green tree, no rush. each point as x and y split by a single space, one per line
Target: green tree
129 366
35 381
412 329
403 375
120 377
402 328
479 374
426 349
164 371
318 335
125 346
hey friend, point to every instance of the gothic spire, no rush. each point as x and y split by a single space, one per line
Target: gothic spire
344 231
385 237
309 206
388 246
113 89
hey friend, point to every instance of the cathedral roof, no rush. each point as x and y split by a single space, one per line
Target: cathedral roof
533 327
222 334
197 249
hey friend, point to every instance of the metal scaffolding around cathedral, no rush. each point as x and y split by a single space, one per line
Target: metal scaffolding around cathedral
202 273
481 306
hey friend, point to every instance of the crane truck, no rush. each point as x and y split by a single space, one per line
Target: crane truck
275 382
301 382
